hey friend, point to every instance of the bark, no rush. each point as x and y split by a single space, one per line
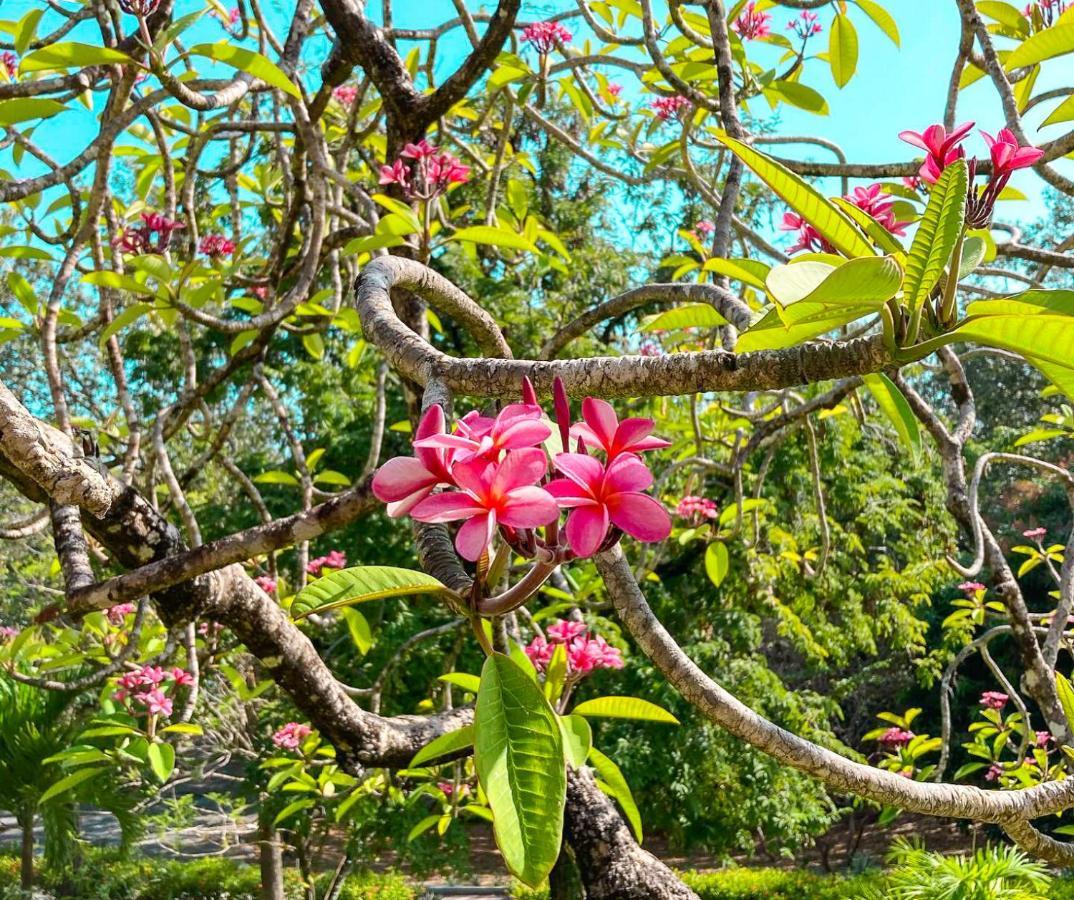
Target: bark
612 865
271 859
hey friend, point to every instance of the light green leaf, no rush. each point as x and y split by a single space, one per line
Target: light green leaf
799 322
464 680
881 17
423 826
717 562
445 745
1005 14
22 109
883 239
130 314
70 781
577 739
1045 340
497 237
832 223
1064 112
842 49
359 630
867 281
119 282
1026 303
276 476
1065 691
616 787
895 406
973 254
26 29
181 728
360 584
1054 41
624 708
161 760
749 271
519 756
691 315
250 62
556 673
293 808
71 55
800 95
937 234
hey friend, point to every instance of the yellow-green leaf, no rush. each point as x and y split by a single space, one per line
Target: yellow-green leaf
360 584
937 234
624 708
843 49
70 55
250 62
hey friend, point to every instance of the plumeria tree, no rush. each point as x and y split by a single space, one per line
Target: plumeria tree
218 219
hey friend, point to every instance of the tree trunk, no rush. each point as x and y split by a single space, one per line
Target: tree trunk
612 865
26 869
564 881
271 863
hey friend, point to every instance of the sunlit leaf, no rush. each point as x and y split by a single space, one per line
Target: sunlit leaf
360 584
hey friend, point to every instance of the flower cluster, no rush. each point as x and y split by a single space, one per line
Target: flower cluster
333 559
291 736
704 228
499 475
544 37
233 16
993 700
424 172
650 348
969 588
145 687
752 24
154 235
669 107
139 7
696 508
345 94
614 90
266 583
216 245
896 737
806 25
10 62
7 632
585 653
1048 10
117 614
1035 534
878 204
808 237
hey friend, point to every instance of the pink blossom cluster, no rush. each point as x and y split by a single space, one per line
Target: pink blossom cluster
145 687
544 37
210 629
1035 534
345 94
896 737
291 736
696 508
1042 738
117 614
878 204
154 235
993 700
1049 10
333 559
447 788
141 8
669 107
650 348
499 477
10 62
806 25
7 632
424 172
614 89
808 237
266 583
233 16
585 653
971 587
752 24
704 228
216 245
994 771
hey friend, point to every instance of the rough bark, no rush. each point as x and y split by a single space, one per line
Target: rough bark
270 856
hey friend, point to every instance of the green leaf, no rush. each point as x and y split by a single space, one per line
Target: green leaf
1065 691
1005 14
577 739
182 728
161 760
292 808
616 787
973 254
867 281
843 49
26 29
125 318
749 271
68 782
1045 340
832 223
799 322
692 315
250 62
801 96
1026 303
937 234
359 630
464 680
624 708
423 826
360 584
119 282
1054 41
1064 112
556 673
717 562
71 55
445 745
519 756
22 109
882 239
497 237
276 476
109 731
895 406
881 17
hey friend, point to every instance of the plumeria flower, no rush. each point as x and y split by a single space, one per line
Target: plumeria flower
117 614
540 651
291 736
942 148
216 245
650 348
266 583
7 632
563 631
182 677
10 62
156 702
544 37
696 508
396 173
421 150
599 498
602 429
808 237
752 24
896 737
492 494
345 94
1007 154
705 227
586 654
993 700
971 587
806 25
1035 534
334 559
1042 738
404 481
879 205
994 772
614 90
668 107
517 426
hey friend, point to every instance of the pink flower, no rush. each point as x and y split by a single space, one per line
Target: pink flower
599 498
806 25
118 613
994 771
152 236
1007 154
876 203
446 788
808 237
492 494
421 150
540 652
993 700
334 559
971 587
705 227
544 37
445 170
260 291
913 182
7 632
517 425
650 348
696 508
941 147
346 94
615 89
10 62
586 654
1035 534
404 481
156 702
752 24
396 173
1043 738
896 737
182 677
602 429
563 631
216 245
210 629
291 736
267 584
1049 10
668 107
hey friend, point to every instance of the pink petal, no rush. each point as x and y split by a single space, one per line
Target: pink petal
569 494
475 535
600 416
639 515
446 442
523 433
399 477
583 470
529 507
447 507
586 528
432 422
627 473
519 468
587 434
474 476
960 132
400 508
934 138
1025 156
